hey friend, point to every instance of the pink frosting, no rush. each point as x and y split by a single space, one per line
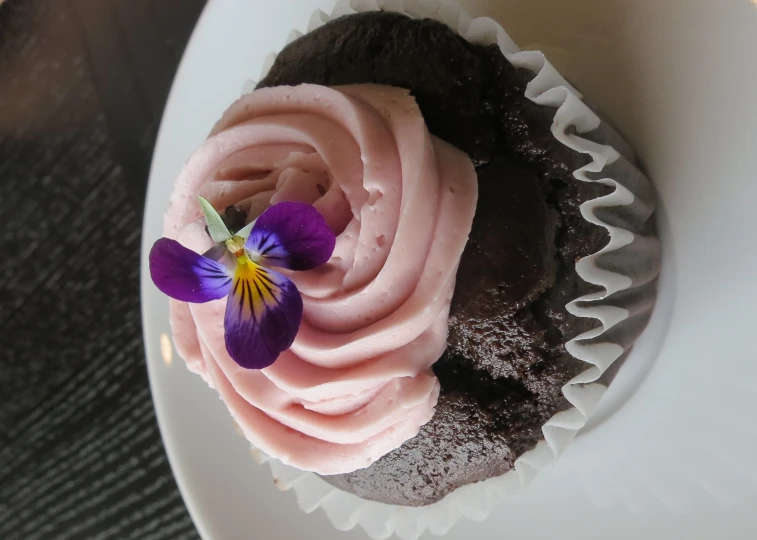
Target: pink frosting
357 382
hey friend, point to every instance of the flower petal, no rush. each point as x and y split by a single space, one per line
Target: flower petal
291 235
263 315
185 275
216 253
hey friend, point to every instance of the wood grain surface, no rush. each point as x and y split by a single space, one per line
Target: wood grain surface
82 88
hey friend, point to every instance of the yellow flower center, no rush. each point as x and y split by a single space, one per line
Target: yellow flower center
235 245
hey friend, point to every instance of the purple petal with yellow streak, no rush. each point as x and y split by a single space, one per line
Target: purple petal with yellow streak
263 315
291 235
185 275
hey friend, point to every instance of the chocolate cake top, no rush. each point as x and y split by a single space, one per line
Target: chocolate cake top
505 365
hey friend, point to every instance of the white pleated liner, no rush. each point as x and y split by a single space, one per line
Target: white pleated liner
626 269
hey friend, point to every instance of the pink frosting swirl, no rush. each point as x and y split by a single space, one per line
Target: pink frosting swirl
357 382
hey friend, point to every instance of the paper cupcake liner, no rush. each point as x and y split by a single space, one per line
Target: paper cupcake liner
626 269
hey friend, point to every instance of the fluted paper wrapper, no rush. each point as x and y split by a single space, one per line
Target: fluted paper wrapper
626 270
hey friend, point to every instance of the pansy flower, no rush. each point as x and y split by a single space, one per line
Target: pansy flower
264 307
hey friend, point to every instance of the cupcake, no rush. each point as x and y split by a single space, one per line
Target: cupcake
399 263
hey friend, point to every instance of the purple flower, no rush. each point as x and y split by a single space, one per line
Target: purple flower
264 309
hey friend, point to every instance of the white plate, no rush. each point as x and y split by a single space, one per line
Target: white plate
677 459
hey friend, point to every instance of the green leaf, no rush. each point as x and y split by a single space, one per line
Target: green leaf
216 227
245 231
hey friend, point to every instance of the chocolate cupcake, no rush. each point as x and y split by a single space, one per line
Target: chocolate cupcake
505 364
488 264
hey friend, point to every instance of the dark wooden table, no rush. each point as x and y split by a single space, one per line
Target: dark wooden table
82 89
